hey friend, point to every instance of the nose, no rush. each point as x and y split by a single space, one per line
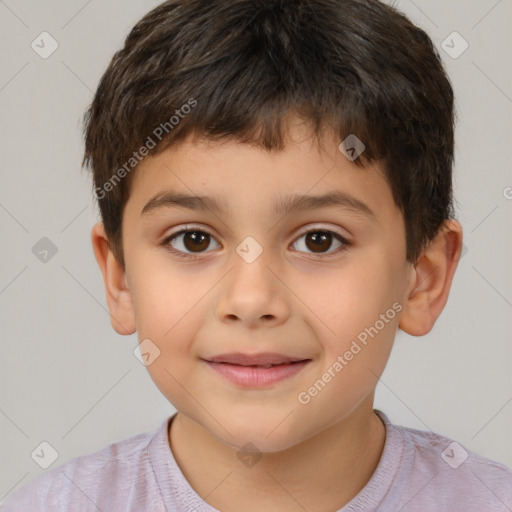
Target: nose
253 295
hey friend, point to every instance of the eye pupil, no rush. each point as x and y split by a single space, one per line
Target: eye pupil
319 238
197 239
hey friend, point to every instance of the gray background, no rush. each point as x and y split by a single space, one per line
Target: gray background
68 379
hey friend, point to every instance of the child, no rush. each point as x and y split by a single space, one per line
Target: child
229 141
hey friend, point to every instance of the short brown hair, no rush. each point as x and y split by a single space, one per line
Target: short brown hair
354 66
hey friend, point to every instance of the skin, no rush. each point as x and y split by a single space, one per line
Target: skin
291 300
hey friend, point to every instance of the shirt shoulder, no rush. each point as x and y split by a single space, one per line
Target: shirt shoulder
104 480
421 471
447 476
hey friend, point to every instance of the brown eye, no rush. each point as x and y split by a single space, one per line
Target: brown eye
320 241
196 241
190 241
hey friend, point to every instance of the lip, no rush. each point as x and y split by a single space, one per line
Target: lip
261 359
256 370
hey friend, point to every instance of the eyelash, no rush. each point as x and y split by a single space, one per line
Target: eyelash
192 256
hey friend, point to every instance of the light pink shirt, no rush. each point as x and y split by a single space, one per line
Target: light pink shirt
418 472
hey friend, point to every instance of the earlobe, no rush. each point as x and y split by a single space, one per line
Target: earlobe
431 280
118 294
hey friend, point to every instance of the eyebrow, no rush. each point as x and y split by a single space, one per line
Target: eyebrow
283 206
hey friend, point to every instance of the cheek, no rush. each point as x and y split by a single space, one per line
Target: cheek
163 299
358 317
352 365
347 302
171 306
168 313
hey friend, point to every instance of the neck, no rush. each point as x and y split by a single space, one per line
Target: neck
322 473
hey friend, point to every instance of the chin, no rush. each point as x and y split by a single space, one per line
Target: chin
266 435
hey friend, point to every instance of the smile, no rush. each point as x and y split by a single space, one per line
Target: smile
255 371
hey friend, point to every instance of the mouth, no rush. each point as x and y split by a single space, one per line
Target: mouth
257 370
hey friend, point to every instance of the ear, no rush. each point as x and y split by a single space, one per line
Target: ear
118 294
431 280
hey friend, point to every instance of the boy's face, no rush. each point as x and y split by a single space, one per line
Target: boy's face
304 297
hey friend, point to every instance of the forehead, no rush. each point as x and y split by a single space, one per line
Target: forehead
229 177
